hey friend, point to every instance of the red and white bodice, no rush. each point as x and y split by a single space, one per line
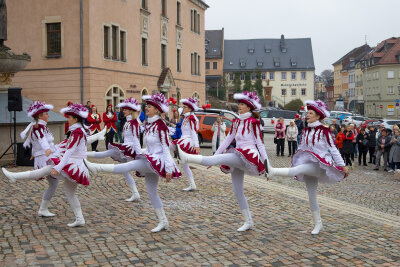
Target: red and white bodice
41 139
189 139
157 152
94 120
70 163
247 133
131 146
318 146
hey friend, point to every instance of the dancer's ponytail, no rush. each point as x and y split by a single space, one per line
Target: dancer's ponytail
255 115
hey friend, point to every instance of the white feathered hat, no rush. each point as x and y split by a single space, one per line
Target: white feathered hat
130 103
38 107
319 107
249 98
158 100
77 110
191 102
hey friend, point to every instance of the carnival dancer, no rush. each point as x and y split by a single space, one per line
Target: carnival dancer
69 165
189 141
248 156
155 161
110 119
94 120
38 136
130 148
316 160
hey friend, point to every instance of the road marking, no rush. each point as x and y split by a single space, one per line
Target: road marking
339 205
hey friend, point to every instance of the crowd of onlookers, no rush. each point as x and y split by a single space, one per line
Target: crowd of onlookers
378 144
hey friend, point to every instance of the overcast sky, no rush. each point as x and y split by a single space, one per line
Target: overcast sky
335 26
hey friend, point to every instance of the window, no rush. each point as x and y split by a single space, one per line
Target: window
283 92
144 4
303 75
106 42
195 58
53 31
272 75
209 120
390 90
390 74
122 44
194 21
164 8
144 51
114 42
178 60
303 91
114 96
215 65
178 13
207 65
283 75
163 56
198 65
294 92
253 76
242 76
228 123
231 76
293 75
251 50
284 49
263 76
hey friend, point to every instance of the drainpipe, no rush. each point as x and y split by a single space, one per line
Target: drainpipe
81 47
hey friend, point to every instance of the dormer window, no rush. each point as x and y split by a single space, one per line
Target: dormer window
251 50
267 48
242 64
293 62
284 49
277 62
260 63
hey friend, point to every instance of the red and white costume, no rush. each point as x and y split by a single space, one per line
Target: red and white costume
316 160
94 120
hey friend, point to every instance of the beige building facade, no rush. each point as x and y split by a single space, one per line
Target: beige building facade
129 48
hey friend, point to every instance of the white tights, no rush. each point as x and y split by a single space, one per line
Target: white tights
51 190
141 166
108 153
232 160
188 172
69 190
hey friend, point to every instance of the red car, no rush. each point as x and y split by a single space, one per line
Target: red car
206 121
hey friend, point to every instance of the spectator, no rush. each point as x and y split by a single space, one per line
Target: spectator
355 133
109 119
219 128
337 126
280 137
371 144
348 148
88 104
143 118
291 135
383 144
119 129
394 155
339 140
362 143
300 126
94 120
333 131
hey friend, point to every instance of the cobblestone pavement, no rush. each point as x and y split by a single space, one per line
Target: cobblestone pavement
359 214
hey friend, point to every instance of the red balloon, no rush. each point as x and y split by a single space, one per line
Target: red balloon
174 101
208 105
272 121
204 106
173 110
302 107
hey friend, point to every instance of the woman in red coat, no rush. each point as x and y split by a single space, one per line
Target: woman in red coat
109 119
94 120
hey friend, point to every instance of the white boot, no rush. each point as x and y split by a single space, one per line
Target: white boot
189 158
96 137
44 209
94 168
192 185
278 171
248 224
163 222
79 220
91 154
317 222
135 194
35 174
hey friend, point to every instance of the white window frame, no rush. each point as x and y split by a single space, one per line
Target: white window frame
390 74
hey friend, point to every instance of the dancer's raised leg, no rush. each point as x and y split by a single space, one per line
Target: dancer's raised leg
34 174
70 190
151 185
237 185
310 169
47 196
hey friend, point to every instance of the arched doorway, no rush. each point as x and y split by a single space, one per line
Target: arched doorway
144 92
114 95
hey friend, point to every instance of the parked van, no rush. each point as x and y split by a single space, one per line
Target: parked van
270 118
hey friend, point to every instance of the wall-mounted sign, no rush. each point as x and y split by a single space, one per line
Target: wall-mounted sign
390 110
293 84
133 91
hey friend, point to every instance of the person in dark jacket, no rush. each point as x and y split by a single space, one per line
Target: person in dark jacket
337 126
300 126
383 144
362 143
143 118
371 136
348 148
